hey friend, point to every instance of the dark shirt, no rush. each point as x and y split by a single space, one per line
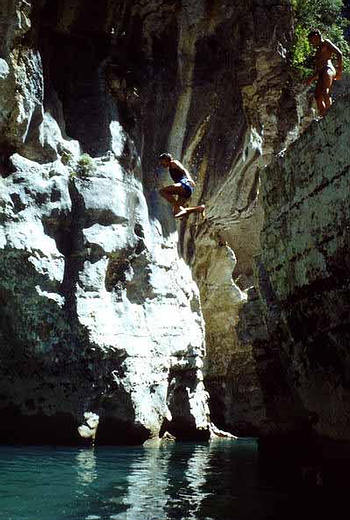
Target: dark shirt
176 174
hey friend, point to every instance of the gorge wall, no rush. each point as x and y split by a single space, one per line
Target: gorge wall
100 317
303 273
112 311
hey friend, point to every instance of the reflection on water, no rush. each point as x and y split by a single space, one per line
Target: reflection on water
227 480
195 475
86 468
147 485
186 491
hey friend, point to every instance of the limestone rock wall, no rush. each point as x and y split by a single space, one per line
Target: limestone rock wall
229 138
99 314
100 311
303 274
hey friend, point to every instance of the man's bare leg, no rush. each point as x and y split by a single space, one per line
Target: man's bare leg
322 92
327 81
327 99
167 196
188 211
175 195
321 107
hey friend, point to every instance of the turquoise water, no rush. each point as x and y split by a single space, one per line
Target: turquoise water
217 481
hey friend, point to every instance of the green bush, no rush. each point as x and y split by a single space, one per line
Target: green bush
325 15
85 167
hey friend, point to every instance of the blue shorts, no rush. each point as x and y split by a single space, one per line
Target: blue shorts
185 183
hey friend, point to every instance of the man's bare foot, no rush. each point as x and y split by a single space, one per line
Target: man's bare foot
202 210
181 213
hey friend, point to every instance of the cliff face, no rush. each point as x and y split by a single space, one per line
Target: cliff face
100 313
246 124
303 272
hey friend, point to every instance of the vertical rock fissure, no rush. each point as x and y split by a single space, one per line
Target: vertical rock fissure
74 251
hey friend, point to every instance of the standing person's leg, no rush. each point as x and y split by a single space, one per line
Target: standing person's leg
319 97
327 79
323 90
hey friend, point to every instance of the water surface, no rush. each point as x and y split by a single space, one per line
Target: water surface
213 481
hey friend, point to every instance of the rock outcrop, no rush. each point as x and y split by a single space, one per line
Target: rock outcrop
303 274
97 307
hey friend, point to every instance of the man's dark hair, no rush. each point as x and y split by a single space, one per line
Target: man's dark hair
314 32
165 156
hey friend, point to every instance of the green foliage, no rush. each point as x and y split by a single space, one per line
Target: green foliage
85 167
301 50
66 157
325 15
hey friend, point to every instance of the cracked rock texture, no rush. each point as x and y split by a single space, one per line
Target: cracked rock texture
303 274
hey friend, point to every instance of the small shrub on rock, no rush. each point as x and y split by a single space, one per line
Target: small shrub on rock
85 167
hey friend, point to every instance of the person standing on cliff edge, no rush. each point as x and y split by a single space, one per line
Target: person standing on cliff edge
179 192
325 73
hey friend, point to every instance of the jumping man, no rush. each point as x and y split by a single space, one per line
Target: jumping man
325 73
179 192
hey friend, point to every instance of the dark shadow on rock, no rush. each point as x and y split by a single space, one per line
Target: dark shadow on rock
6 166
311 472
117 423
74 68
283 409
51 372
56 429
182 425
116 431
